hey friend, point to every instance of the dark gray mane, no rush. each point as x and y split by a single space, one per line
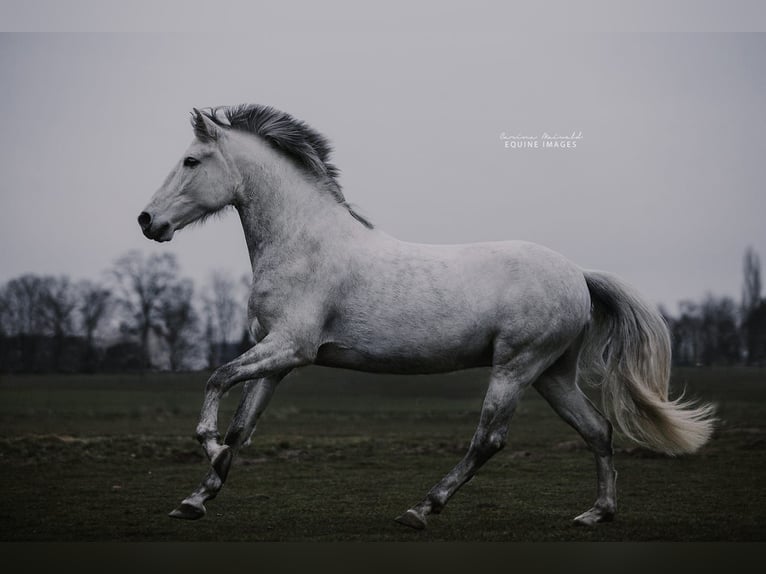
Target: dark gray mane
293 137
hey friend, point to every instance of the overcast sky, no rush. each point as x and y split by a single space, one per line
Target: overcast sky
666 186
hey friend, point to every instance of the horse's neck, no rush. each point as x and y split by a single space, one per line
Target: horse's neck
289 216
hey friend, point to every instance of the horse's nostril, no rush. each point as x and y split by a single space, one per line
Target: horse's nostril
144 220
163 229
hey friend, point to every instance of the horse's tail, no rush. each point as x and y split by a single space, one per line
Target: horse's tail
627 352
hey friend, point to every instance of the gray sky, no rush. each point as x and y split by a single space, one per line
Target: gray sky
665 188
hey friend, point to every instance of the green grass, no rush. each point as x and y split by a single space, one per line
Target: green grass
339 454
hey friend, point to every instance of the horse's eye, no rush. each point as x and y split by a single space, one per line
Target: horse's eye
191 162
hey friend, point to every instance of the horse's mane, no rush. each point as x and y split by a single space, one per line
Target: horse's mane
293 137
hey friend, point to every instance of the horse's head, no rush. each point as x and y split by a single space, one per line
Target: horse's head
204 181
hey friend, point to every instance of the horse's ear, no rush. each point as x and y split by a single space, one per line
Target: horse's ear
205 129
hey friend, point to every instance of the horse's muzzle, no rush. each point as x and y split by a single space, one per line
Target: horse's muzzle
156 230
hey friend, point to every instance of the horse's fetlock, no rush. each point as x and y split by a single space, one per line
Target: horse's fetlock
205 433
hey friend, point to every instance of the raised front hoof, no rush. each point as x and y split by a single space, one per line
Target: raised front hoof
186 511
412 519
594 516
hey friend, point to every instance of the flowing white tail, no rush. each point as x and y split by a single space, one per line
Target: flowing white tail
627 352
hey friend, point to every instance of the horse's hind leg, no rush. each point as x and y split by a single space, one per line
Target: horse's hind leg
255 398
558 385
506 386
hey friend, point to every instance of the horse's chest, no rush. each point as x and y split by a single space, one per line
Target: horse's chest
294 301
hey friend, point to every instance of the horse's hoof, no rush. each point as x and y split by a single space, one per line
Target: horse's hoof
222 462
412 519
188 511
593 517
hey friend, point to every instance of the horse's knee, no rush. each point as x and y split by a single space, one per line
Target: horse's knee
216 381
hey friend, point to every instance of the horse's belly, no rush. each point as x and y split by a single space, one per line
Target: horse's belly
402 361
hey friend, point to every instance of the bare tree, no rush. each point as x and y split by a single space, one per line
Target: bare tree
210 344
178 327
57 307
706 333
5 312
720 336
222 312
23 300
95 305
23 321
141 283
756 330
686 331
751 285
752 324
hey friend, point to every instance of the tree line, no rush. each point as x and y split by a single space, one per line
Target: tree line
720 330
144 315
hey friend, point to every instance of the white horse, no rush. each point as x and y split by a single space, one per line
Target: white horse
330 289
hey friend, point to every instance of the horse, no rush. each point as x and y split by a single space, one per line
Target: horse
329 288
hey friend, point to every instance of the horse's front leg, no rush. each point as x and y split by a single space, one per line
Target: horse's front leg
269 361
272 356
255 398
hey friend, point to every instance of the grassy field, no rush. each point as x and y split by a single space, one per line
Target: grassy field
339 454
